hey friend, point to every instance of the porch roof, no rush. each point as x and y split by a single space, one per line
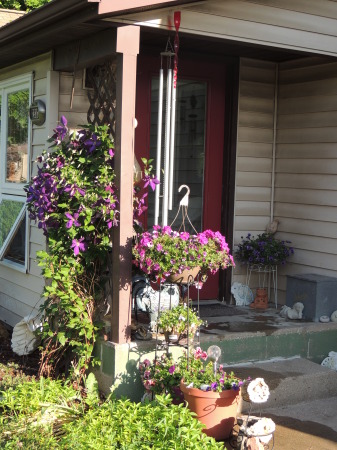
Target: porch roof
61 22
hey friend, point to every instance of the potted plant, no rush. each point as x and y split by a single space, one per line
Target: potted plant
163 252
264 250
176 322
162 376
263 254
211 392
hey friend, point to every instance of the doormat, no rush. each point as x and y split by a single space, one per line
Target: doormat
216 310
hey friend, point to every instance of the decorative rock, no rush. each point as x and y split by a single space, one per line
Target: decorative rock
334 316
258 391
324 319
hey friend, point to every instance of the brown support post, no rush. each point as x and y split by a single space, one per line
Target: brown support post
127 48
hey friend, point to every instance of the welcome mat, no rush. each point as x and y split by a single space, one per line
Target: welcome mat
215 310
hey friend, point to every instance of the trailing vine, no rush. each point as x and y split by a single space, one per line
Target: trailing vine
73 200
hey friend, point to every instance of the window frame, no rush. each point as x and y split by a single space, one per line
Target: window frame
14 191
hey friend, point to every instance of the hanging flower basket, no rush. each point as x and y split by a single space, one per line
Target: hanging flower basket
185 277
163 253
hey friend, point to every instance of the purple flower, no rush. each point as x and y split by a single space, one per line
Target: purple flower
91 144
72 220
78 245
172 369
72 189
150 181
214 386
111 153
60 131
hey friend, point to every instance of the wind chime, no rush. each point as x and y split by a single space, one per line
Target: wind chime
170 113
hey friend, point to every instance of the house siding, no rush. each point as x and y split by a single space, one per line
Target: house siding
254 163
76 113
304 198
20 293
306 167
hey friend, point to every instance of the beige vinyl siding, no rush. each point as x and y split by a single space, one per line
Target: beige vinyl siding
254 163
20 293
303 25
77 114
306 167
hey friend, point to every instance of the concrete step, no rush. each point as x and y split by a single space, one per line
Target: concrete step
290 381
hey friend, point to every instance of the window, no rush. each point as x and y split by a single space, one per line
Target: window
15 97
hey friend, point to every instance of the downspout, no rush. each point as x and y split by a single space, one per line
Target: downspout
274 146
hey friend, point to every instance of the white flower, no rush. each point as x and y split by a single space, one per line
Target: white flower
258 391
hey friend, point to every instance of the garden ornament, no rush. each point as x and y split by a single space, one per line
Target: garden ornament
334 316
261 299
24 340
214 353
272 226
148 299
242 293
296 312
330 361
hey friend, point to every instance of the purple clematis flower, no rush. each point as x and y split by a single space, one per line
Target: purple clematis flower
150 181
72 220
60 131
91 144
78 245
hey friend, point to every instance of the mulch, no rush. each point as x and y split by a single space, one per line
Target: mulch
27 364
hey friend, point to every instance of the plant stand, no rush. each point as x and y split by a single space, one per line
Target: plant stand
267 276
184 283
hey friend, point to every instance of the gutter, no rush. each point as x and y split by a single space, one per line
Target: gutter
45 16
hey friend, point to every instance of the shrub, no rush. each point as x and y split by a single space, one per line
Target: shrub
51 415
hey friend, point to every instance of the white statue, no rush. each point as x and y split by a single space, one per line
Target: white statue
330 361
333 317
24 339
243 295
296 312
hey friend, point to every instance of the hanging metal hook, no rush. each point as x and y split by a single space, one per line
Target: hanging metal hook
184 200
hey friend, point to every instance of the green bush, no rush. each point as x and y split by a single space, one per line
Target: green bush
48 414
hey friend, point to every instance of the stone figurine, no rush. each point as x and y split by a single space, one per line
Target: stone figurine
296 312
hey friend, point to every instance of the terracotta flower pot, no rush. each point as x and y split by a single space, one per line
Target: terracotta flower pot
216 410
185 277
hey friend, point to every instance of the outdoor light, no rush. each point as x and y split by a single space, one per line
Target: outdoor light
214 353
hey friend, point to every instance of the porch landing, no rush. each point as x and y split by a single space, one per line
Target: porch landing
258 335
247 336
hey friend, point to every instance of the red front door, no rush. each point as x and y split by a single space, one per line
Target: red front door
199 141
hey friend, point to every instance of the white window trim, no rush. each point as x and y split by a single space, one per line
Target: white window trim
11 190
9 87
